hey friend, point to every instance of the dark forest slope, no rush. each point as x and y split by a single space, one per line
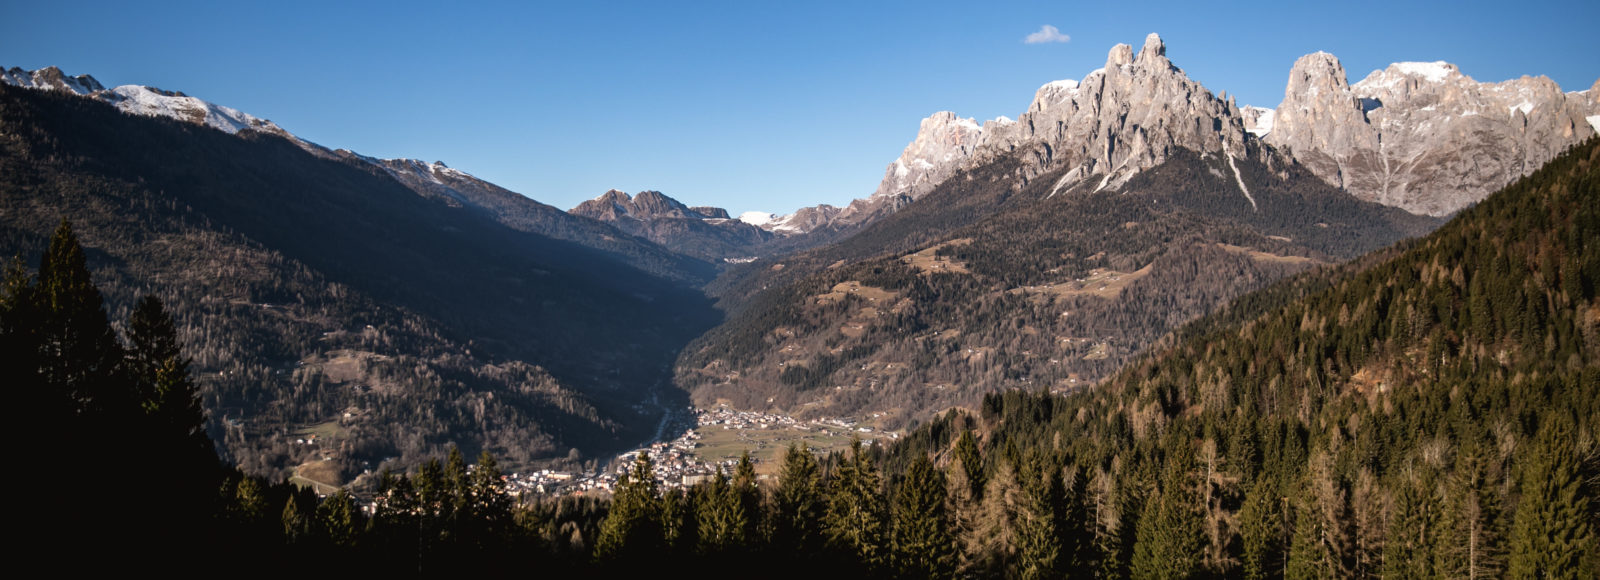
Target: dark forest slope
1429 410
318 293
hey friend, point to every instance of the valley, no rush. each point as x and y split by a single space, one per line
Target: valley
1137 331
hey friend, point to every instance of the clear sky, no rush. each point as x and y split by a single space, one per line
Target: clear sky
748 105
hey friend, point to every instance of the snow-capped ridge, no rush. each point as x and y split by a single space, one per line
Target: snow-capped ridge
147 101
757 218
1436 71
51 79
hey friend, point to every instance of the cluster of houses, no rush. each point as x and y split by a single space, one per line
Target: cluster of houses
675 462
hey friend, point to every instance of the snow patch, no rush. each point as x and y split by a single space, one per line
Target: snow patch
757 218
1432 71
1061 85
1526 107
140 100
1594 121
1239 178
1264 117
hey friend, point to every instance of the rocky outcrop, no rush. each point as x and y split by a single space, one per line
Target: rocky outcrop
51 79
1121 119
616 205
944 141
1423 136
704 233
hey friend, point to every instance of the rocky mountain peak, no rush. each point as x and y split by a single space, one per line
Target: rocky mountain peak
147 101
943 140
51 78
614 205
1315 74
1117 121
1153 49
1120 55
1422 136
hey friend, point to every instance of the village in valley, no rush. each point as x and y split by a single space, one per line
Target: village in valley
717 439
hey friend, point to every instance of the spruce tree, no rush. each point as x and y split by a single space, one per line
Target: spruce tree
1170 540
797 503
923 544
1261 532
855 520
747 491
631 532
1039 545
1552 535
338 520
79 354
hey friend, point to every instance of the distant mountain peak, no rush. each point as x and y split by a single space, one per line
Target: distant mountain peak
51 78
614 205
1423 136
147 101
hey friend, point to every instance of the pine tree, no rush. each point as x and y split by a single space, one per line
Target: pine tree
798 503
1170 537
79 353
1038 535
489 508
174 418
747 491
1413 528
631 532
294 523
678 526
855 520
971 463
720 516
923 544
1470 543
1551 534
1261 532
338 520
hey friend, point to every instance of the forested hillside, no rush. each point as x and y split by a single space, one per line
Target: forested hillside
322 301
990 282
1430 412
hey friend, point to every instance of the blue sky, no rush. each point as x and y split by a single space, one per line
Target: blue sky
747 105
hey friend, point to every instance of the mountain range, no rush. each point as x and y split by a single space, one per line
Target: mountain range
397 306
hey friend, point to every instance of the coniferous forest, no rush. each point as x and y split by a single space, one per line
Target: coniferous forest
1425 411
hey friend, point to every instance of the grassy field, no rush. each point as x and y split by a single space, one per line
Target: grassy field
325 431
323 476
767 446
1100 282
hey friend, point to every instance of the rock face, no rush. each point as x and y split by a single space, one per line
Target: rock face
1119 120
942 142
615 205
1423 136
705 232
52 79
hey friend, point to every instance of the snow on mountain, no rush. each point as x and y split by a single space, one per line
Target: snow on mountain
758 219
1423 136
153 102
1257 120
147 101
1432 71
51 79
